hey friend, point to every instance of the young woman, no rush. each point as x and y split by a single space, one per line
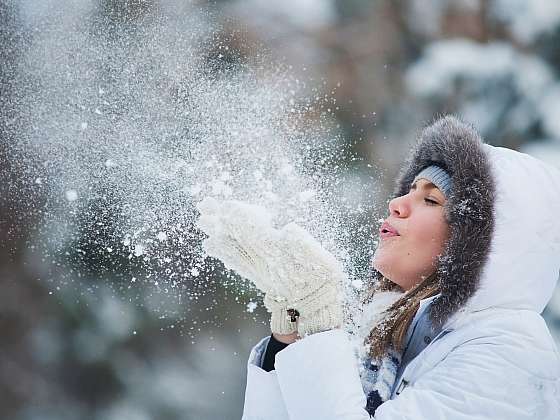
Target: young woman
468 258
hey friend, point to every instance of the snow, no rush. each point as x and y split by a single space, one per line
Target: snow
533 76
219 187
110 163
139 250
490 82
372 313
443 61
287 169
527 20
306 195
370 316
235 136
170 154
357 283
195 189
71 195
251 306
258 175
549 107
225 176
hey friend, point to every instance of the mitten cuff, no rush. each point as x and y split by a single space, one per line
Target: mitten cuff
326 318
280 321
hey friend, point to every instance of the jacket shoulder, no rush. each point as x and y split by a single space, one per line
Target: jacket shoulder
518 336
505 356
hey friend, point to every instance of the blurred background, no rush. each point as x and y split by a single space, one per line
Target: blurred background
78 341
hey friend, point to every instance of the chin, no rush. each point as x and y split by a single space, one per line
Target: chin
383 266
381 262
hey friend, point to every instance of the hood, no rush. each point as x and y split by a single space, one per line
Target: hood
504 218
524 259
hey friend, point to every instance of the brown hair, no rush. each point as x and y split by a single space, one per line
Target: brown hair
391 332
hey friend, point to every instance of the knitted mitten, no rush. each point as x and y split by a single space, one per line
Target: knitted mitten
300 279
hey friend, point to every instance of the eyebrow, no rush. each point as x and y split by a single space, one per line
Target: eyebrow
426 186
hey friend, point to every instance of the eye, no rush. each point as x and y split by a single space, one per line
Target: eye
431 202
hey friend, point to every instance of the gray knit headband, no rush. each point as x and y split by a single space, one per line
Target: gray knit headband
437 176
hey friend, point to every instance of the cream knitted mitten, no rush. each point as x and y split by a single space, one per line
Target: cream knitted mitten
302 281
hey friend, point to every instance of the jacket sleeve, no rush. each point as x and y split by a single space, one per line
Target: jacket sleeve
263 398
319 379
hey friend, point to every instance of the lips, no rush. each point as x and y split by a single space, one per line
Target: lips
387 231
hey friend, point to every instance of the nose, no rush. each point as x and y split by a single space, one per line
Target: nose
399 207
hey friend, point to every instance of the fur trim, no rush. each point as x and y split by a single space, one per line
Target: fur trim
469 209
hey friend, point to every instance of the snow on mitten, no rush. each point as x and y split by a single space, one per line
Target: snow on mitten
231 227
300 279
282 319
308 279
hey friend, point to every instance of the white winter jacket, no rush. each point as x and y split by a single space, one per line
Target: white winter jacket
494 359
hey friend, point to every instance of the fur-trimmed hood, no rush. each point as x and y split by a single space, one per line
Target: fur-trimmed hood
504 218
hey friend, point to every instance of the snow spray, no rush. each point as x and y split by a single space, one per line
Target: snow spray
124 122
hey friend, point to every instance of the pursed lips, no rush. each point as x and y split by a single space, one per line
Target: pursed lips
387 231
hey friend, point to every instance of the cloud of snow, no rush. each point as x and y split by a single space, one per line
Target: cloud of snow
126 127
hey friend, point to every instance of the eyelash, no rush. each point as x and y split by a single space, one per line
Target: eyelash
427 200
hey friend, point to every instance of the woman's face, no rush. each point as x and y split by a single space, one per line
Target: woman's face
418 217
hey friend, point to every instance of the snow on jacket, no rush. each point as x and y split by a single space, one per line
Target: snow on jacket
494 357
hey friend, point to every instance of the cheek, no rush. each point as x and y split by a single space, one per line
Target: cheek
426 237
430 240
414 253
